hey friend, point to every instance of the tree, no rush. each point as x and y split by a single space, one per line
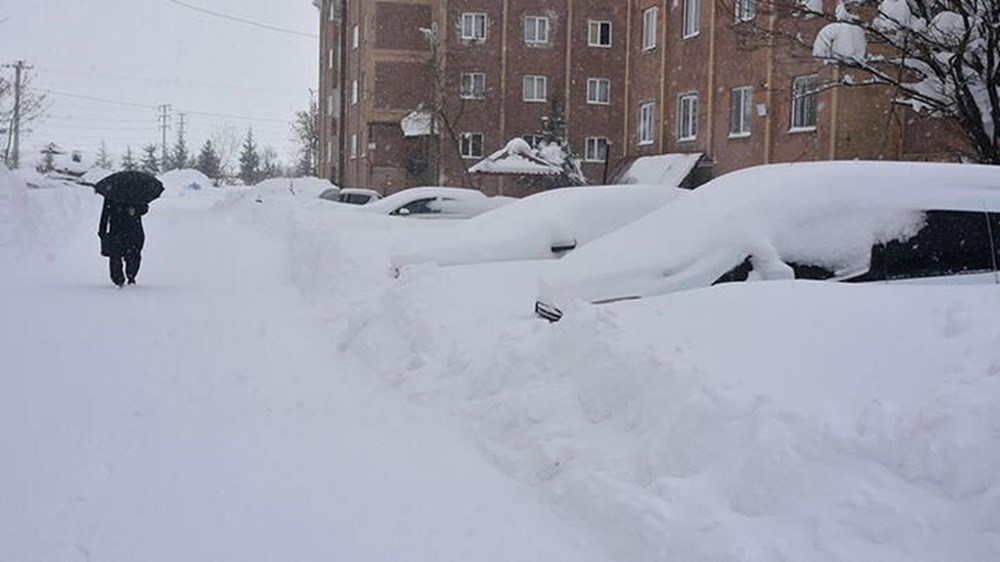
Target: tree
941 58
249 161
104 157
208 161
305 131
48 162
150 161
555 148
128 161
179 157
226 144
32 107
269 165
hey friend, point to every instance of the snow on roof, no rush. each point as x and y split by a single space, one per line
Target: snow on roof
666 169
517 158
417 124
840 42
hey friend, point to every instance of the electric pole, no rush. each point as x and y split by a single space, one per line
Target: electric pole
164 119
13 153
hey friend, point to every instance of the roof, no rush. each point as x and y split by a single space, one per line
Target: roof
417 124
666 169
518 159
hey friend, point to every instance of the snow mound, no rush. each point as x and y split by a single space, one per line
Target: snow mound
840 42
307 187
180 181
14 212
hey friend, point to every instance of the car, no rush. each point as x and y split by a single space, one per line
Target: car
330 194
436 203
889 222
545 225
357 196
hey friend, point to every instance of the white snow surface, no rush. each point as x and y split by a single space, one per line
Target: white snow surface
518 158
840 41
268 393
665 169
181 181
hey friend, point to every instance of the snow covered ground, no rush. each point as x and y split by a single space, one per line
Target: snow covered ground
275 394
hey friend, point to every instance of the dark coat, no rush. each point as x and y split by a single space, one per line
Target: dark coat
121 228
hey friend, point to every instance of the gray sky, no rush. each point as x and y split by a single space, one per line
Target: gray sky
144 53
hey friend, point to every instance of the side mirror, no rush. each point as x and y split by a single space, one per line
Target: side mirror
403 212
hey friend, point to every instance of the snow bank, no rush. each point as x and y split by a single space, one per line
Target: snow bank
14 214
178 182
40 219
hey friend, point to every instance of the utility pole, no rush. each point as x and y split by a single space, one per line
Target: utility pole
164 120
13 153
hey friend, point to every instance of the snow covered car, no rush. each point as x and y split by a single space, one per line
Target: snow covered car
436 203
357 196
837 221
330 194
544 225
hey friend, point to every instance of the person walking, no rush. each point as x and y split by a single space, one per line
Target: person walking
122 239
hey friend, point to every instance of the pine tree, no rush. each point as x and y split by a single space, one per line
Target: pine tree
306 130
555 147
179 157
104 158
249 161
150 162
208 161
128 161
269 166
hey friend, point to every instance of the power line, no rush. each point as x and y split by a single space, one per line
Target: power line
157 108
166 81
244 20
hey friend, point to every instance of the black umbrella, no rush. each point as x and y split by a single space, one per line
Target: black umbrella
130 187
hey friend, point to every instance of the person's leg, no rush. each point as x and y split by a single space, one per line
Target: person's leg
117 276
133 258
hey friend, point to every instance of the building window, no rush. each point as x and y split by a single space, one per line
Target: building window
687 117
472 145
646 118
354 92
329 151
649 18
329 105
536 30
534 88
804 102
354 146
329 59
746 10
355 36
599 33
739 111
473 85
598 91
692 17
474 27
597 149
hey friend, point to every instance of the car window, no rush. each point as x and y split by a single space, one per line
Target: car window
739 273
994 224
419 207
950 243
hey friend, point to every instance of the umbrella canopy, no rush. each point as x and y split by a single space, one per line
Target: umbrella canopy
130 187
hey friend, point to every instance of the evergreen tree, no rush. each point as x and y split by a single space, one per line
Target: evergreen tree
208 161
555 147
128 161
104 158
150 163
306 130
179 157
269 166
249 161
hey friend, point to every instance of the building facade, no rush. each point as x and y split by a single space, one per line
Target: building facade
631 78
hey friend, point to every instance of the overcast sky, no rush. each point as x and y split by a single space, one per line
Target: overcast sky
140 54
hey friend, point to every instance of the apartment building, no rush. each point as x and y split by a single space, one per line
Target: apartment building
632 78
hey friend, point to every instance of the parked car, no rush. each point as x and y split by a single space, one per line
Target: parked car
357 196
836 221
436 203
545 225
330 194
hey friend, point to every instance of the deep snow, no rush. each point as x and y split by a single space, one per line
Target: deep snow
765 422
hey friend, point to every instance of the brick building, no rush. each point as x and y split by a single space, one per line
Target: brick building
632 77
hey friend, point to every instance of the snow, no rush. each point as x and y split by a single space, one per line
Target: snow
665 169
179 181
840 41
518 158
417 124
275 395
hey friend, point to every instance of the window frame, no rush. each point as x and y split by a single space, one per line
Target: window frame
596 143
355 92
744 110
535 79
594 86
472 94
687 117
536 20
355 36
804 103
590 33
650 22
691 23
353 155
470 137
647 123
472 18
744 10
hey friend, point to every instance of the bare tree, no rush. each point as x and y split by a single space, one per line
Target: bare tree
33 105
227 144
940 58
305 130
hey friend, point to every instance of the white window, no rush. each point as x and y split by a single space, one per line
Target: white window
536 30
647 112
746 10
474 26
354 92
473 85
471 145
739 111
329 151
329 105
649 18
329 59
692 17
597 149
534 88
687 117
333 10
599 33
804 102
598 91
354 146
355 36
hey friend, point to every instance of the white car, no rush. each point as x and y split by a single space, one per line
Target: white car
436 203
544 225
838 221
357 196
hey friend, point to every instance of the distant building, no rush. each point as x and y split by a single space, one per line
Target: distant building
633 78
